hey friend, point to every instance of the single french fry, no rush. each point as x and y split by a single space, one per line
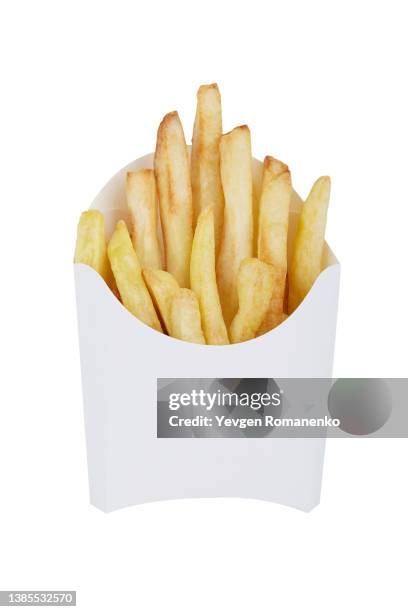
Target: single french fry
273 226
237 237
162 287
128 275
172 169
306 262
255 286
142 203
203 279
91 244
185 317
205 157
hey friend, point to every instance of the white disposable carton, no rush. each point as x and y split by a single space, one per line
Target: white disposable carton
121 360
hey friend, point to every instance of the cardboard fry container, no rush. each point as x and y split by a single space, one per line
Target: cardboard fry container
123 365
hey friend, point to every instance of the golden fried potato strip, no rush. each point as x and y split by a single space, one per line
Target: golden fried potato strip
91 244
273 233
306 262
142 203
205 157
128 275
163 288
185 317
237 237
203 279
172 170
255 286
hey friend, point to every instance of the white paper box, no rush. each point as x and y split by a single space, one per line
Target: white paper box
121 360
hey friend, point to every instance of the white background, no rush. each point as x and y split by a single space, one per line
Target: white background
322 86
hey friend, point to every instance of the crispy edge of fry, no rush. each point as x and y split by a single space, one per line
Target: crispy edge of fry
185 317
128 275
203 279
306 261
237 237
205 157
173 181
255 286
91 247
142 204
273 225
162 287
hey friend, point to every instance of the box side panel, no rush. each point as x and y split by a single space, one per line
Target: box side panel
122 359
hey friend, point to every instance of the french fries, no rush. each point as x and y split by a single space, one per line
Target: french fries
273 226
221 272
173 181
185 320
91 244
162 287
236 243
203 279
308 250
142 205
255 286
205 157
128 275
